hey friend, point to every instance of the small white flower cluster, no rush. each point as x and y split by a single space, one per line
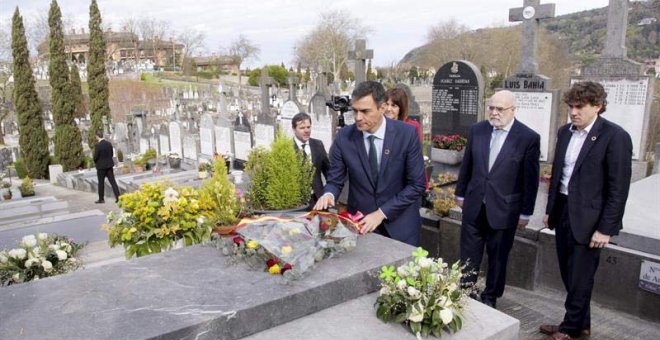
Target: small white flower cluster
171 195
423 292
40 256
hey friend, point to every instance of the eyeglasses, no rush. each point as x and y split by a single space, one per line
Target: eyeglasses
499 109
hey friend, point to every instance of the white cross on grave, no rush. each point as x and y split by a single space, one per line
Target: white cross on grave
530 14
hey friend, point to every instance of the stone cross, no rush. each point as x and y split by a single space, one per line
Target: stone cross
240 118
293 81
360 55
617 23
530 14
264 82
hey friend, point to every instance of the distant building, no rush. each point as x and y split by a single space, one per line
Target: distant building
220 64
120 46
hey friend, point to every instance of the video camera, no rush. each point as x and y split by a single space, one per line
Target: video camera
340 104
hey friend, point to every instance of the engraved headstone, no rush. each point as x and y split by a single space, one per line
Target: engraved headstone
537 103
456 98
629 91
242 138
206 135
176 138
190 143
164 139
289 109
223 136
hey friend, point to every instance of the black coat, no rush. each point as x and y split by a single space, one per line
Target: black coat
598 188
103 155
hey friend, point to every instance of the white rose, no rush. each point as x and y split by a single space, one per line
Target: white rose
42 236
401 284
61 255
446 315
171 195
402 271
47 266
52 247
16 277
425 262
414 293
30 262
3 258
416 316
452 287
18 253
29 241
384 291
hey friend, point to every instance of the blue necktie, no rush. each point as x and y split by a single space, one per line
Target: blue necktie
373 158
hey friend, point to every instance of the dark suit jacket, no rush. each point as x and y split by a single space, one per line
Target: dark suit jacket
320 162
598 189
509 189
400 179
103 155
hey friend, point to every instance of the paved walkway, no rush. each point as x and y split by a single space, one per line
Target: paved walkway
532 308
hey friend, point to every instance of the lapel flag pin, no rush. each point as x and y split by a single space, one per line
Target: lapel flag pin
387 151
593 138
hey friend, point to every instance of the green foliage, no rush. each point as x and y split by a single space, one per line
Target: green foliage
21 171
68 146
277 72
218 198
276 182
88 162
27 187
97 78
67 140
205 74
120 155
33 139
76 92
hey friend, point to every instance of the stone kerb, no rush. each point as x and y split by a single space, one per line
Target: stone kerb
187 293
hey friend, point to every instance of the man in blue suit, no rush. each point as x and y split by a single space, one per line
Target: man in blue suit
587 197
384 163
496 188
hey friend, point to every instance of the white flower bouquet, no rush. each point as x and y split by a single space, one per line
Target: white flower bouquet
425 294
39 256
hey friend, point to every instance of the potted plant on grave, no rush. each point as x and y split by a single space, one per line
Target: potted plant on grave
222 203
204 168
150 158
174 160
157 217
448 149
6 191
441 196
280 178
27 187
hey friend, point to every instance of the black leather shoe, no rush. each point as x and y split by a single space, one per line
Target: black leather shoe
99 201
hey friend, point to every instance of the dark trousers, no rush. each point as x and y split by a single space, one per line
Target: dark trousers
498 244
577 264
102 174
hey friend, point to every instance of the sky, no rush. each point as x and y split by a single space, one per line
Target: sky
276 25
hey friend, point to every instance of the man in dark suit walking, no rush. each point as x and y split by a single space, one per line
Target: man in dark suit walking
586 199
384 164
104 163
312 149
496 188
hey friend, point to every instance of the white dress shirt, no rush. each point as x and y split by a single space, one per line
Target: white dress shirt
572 152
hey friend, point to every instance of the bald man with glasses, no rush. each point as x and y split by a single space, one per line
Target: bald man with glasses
496 189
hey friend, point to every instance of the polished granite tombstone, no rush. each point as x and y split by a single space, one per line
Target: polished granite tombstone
189 293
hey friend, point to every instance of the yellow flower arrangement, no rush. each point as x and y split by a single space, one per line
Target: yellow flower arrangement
156 216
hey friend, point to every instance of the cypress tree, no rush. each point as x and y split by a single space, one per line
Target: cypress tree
97 79
76 92
68 139
33 139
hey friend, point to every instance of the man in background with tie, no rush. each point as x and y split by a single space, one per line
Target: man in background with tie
496 188
384 164
313 150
